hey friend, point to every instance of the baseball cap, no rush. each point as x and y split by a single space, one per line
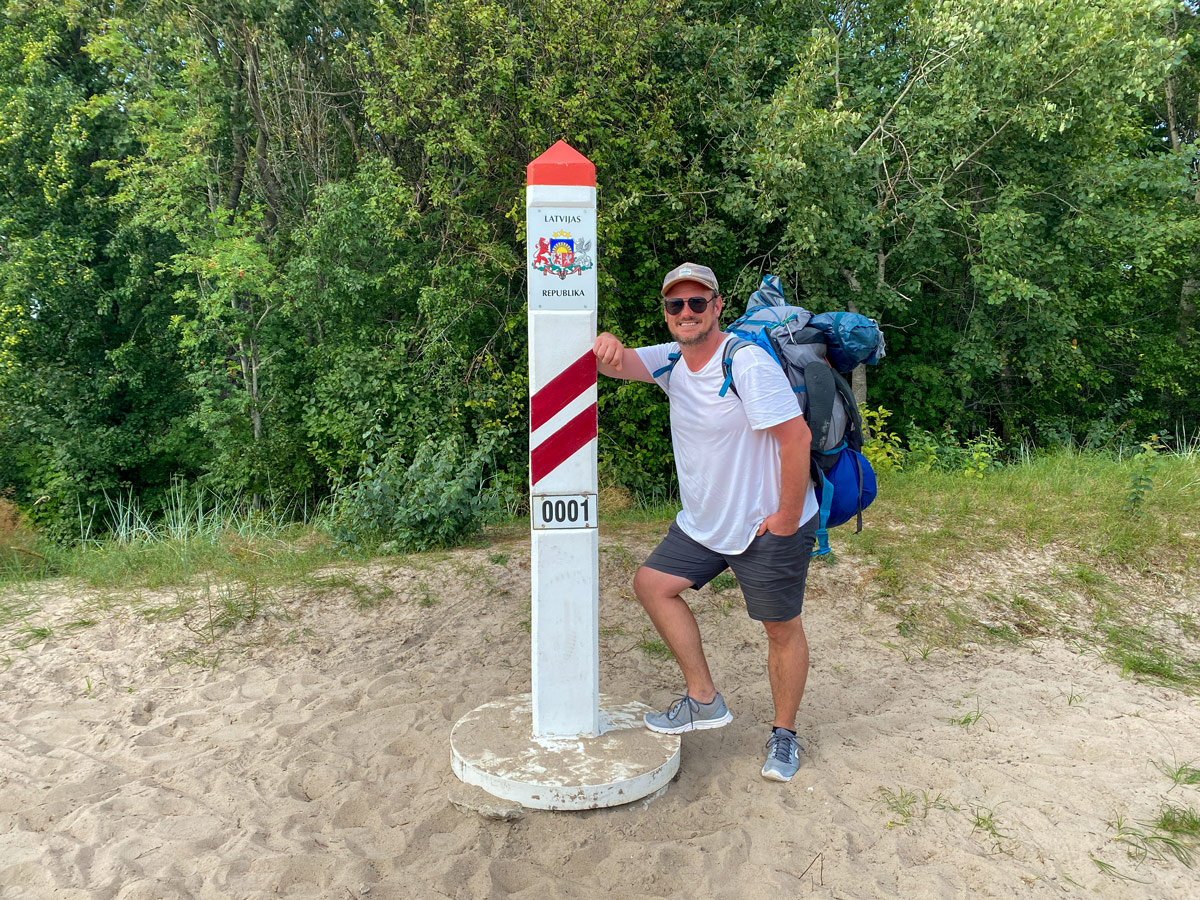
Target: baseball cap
690 272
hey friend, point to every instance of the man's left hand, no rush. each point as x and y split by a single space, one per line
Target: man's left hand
779 525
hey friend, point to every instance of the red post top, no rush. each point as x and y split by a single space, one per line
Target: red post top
561 164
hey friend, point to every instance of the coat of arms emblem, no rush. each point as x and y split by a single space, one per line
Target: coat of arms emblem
562 255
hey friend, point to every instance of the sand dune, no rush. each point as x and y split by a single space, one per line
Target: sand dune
313 760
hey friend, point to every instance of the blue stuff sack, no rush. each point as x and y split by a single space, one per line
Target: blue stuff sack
852 339
843 493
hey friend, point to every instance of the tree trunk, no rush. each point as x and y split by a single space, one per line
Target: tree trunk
858 378
1191 283
1187 310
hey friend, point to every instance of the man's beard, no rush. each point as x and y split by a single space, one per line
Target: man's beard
688 338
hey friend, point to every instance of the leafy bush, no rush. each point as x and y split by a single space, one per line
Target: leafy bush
881 447
944 452
434 500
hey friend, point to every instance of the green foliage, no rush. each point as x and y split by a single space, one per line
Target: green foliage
945 453
434 500
881 447
1141 477
241 243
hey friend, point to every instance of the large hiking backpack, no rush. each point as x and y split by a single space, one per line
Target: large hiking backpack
811 349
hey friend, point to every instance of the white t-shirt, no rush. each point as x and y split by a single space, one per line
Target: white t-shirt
727 464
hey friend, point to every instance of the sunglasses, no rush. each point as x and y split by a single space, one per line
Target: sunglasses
674 305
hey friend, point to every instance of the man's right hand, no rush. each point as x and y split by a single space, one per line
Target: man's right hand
616 360
609 352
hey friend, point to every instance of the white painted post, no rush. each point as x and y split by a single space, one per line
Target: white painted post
560 205
555 748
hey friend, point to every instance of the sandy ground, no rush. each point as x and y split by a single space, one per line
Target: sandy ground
313 759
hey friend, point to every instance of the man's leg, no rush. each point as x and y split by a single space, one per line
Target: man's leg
787 666
659 594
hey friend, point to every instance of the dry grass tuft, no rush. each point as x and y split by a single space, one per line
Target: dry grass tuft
16 535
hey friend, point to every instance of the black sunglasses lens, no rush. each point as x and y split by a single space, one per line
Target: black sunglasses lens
674 306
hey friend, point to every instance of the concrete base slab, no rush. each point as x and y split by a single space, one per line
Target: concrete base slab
493 747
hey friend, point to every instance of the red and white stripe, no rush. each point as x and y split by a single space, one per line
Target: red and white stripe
562 417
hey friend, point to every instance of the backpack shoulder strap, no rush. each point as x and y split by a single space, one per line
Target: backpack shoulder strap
741 339
732 346
672 358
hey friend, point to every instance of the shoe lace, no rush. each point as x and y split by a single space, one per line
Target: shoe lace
780 746
677 706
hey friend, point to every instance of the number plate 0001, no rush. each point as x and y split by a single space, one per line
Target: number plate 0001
563 510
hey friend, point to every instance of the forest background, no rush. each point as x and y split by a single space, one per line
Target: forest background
275 250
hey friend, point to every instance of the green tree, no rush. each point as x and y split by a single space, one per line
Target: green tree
91 394
937 157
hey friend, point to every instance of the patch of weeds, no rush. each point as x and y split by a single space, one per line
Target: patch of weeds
654 647
426 596
724 582
498 559
1178 820
1187 624
1074 698
31 634
1153 840
969 719
1092 584
905 804
1180 774
1107 868
194 656
78 625
907 626
1032 616
1154 662
221 611
1141 654
888 574
1107 611
957 620
608 631
983 821
900 804
369 596
723 605
167 612
366 596
16 609
1146 464
1002 633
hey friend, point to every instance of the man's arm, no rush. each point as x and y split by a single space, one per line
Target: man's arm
795 441
616 360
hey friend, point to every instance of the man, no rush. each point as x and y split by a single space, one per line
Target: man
743 467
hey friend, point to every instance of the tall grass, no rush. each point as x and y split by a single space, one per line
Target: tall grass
197 530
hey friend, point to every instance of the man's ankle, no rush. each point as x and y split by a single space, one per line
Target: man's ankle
699 698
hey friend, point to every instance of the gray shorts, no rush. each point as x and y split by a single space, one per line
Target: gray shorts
771 571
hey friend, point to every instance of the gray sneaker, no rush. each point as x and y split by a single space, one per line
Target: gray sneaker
783 756
686 714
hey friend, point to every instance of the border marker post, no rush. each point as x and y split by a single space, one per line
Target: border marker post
564 745
560 206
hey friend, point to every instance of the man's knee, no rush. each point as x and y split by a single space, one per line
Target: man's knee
785 633
653 587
